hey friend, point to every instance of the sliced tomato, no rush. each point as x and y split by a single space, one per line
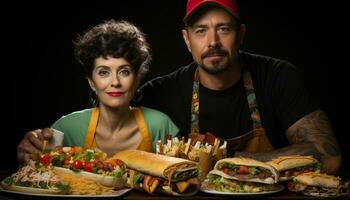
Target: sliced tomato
243 170
226 170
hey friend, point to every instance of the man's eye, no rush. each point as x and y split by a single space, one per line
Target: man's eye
200 31
225 29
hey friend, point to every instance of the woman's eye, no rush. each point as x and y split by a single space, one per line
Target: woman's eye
124 72
103 72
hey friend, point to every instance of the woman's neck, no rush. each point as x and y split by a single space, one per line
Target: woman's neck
114 119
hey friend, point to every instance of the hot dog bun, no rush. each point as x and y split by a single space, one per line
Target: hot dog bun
109 181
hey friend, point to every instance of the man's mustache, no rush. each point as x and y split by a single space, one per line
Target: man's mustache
214 52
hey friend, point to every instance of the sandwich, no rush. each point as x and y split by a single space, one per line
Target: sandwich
152 173
291 166
241 175
30 179
312 182
246 169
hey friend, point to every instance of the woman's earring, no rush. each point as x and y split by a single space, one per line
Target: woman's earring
93 98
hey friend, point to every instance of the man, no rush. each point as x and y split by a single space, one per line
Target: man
257 103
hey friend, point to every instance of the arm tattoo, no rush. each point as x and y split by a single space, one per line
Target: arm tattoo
315 128
311 135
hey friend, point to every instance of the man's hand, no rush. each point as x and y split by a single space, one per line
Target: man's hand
32 143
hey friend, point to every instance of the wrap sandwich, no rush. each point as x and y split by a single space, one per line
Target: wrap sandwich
159 173
313 182
291 166
241 175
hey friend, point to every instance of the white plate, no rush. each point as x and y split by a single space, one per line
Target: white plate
115 193
277 188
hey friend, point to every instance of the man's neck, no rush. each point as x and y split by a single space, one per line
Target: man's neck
219 81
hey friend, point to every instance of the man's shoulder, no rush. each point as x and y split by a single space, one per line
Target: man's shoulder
262 63
259 59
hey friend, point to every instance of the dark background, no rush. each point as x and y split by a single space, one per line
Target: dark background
45 83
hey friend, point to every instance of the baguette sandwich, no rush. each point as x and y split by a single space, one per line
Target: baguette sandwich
158 173
87 163
313 182
241 175
291 166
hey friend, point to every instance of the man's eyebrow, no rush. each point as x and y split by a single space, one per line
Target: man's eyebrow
199 26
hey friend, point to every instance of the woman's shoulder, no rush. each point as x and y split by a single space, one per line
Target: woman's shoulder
75 116
78 114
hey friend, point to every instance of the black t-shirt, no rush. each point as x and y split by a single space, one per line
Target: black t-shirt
279 89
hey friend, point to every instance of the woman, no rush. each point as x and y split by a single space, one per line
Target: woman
115 56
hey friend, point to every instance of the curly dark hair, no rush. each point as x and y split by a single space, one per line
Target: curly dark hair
118 39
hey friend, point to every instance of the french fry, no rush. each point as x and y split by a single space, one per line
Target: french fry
187 146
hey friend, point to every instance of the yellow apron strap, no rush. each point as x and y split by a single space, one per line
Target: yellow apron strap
90 134
146 143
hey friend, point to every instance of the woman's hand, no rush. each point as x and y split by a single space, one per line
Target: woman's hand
32 143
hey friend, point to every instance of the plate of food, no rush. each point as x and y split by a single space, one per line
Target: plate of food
271 189
69 172
319 185
46 193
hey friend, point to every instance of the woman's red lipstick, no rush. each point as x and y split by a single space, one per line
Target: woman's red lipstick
115 94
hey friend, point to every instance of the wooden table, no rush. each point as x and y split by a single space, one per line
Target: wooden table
136 195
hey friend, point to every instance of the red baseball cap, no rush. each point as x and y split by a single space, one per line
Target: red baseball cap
194 5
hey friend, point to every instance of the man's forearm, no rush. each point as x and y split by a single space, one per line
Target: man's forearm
295 149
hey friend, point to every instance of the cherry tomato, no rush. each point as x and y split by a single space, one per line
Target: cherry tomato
89 167
78 164
45 159
99 164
